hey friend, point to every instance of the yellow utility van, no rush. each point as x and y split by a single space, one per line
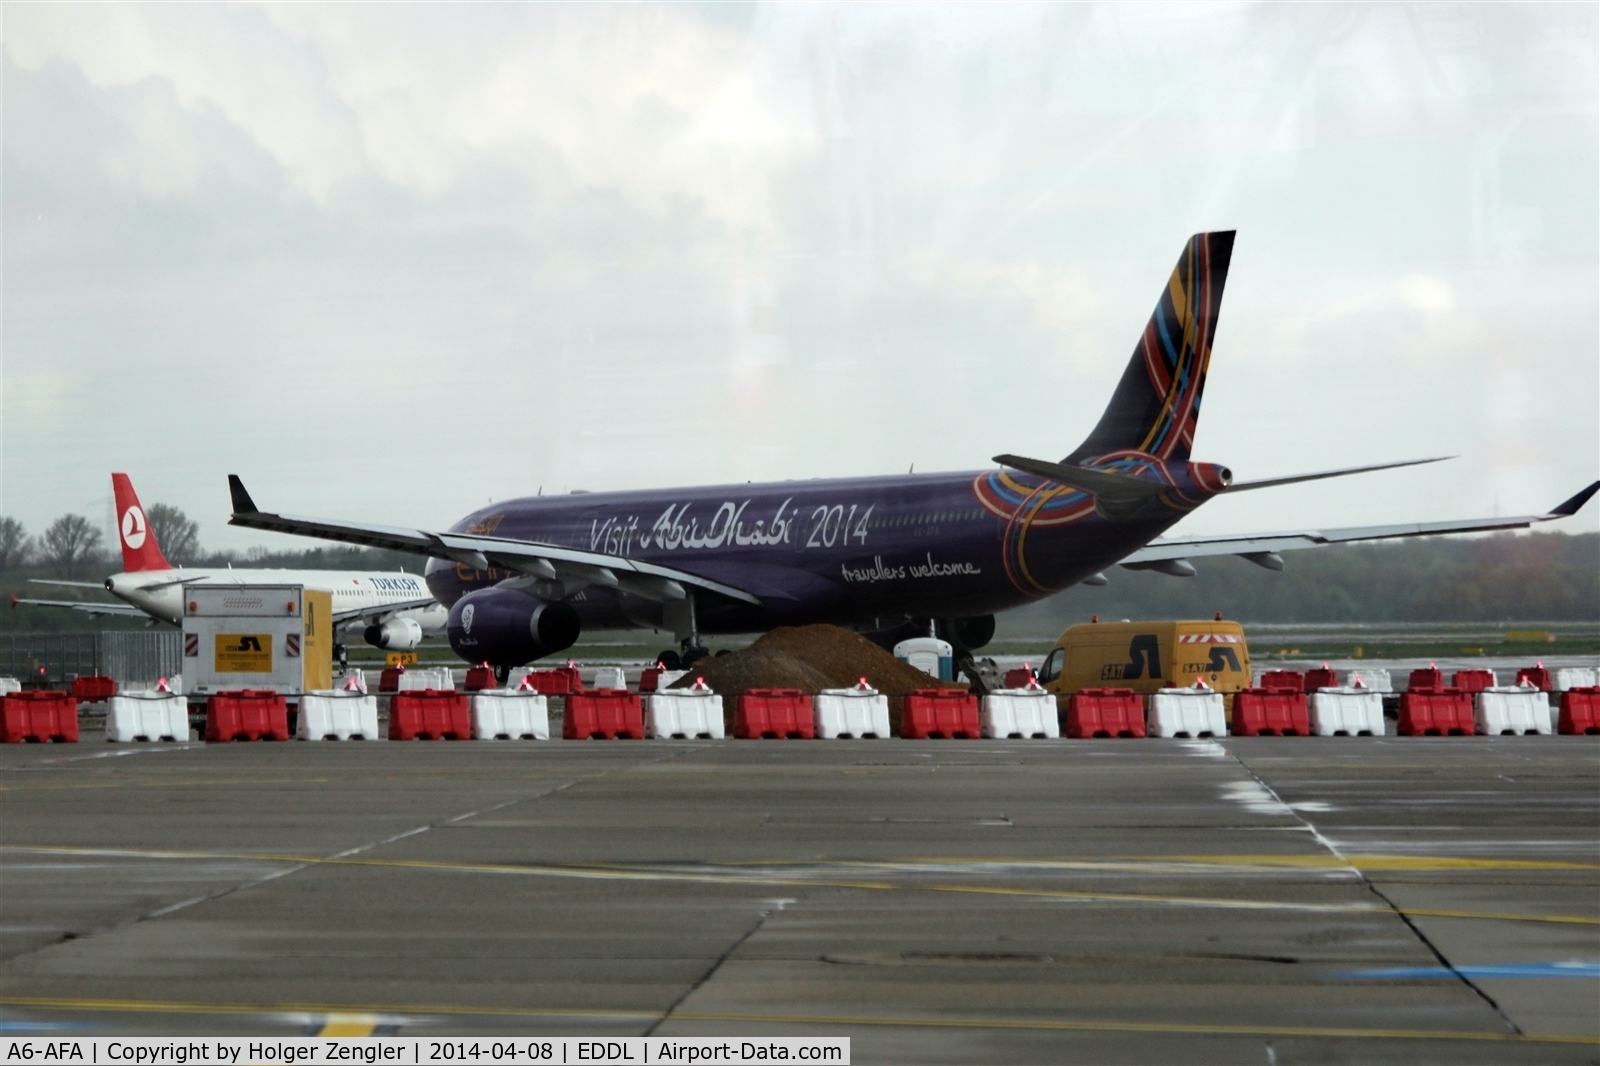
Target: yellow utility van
1146 656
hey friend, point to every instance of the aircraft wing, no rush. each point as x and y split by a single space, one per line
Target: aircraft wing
126 610
1262 548
377 613
573 567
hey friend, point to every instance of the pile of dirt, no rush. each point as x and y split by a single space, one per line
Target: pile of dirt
754 667
811 658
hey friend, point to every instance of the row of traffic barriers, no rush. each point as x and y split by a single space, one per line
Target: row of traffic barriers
859 712
1341 711
1428 678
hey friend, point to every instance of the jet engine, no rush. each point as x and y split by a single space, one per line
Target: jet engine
505 627
397 634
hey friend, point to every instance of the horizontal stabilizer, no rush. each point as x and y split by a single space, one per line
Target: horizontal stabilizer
1267 483
1117 497
124 610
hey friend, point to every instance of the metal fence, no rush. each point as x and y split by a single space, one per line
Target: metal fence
57 658
136 656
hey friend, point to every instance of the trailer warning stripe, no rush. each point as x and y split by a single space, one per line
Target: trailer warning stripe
291 646
1210 638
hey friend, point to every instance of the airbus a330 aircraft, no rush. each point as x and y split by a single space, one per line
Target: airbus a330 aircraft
391 610
884 555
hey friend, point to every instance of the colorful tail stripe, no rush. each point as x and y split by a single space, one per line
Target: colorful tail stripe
1157 403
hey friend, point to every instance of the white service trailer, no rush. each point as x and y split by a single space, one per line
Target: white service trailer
277 637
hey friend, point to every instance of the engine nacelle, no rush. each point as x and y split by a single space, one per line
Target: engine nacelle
397 634
504 627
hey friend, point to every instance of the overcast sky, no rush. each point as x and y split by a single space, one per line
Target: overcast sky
388 262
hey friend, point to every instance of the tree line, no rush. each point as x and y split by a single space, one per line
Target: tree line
73 548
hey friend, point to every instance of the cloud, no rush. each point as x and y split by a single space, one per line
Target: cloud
421 98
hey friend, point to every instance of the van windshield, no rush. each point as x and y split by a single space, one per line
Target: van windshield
1052 666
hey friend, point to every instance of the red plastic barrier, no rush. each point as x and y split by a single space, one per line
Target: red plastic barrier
1105 712
1283 681
389 680
1428 679
38 718
1261 712
562 681
1441 712
650 677
1020 677
430 714
1473 680
603 714
1580 711
775 713
94 689
480 678
247 714
1321 677
1537 676
940 714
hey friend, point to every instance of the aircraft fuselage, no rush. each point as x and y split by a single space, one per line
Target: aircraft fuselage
844 551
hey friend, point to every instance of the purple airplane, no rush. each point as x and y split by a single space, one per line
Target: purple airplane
887 556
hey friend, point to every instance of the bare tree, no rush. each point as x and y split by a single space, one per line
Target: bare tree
70 543
175 532
15 545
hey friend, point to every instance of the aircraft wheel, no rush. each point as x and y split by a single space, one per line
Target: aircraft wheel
670 660
724 651
692 656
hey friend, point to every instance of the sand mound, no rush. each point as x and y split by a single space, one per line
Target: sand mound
754 667
811 658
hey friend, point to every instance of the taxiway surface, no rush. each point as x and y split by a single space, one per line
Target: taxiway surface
1264 899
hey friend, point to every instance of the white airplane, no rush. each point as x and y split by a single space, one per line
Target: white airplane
392 610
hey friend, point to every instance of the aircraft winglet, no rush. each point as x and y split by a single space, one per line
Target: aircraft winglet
1574 505
242 503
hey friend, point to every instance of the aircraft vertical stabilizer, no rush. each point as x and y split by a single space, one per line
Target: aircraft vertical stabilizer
1157 403
139 548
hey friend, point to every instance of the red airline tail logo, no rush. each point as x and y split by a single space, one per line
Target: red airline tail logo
139 548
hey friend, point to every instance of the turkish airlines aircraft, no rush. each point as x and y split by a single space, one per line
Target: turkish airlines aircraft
393 610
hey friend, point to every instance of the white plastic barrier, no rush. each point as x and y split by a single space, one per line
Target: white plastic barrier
9 684
850 712
668 677
1371 679
439 678
512 714
147 716
339 714
1576 677
609 677
1524 709
1187 712
684 712
1346 711
1019 712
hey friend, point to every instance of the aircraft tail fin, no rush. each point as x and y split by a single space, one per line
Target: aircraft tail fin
1157 403
140 551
